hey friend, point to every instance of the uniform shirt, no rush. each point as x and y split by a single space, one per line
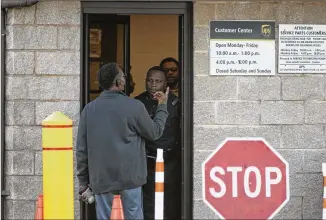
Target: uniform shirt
171 134
175 91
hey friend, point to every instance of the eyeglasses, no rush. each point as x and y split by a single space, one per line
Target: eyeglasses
173 69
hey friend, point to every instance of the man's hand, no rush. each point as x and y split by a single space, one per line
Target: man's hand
82 189
86 194
161 97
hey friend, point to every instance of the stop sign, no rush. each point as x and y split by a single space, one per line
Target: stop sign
245 178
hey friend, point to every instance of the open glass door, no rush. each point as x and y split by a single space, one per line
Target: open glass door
106 40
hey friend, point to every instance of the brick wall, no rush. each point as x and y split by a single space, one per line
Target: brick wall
287 110
42 76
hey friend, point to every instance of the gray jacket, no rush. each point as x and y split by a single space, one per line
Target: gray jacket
110 146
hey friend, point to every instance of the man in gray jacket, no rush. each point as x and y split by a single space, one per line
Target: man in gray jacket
110 150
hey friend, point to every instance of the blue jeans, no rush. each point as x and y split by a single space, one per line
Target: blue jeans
132 203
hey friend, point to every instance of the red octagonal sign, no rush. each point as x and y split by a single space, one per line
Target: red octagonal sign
245 178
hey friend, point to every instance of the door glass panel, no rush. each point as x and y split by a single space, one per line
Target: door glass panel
106 44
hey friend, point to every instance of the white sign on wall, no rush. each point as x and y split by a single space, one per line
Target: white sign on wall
302 48
242 48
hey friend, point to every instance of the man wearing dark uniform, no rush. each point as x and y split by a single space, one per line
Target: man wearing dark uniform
170 143
171 68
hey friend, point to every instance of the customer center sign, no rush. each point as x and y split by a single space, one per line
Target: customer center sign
242 48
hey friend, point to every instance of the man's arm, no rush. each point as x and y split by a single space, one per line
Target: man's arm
151 129
81 152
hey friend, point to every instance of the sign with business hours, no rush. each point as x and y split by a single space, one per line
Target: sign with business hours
242 48
245 178
302 48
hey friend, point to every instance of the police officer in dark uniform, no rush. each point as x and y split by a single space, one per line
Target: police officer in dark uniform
170 143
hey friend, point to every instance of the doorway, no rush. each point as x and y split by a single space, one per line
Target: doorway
135 42
137 36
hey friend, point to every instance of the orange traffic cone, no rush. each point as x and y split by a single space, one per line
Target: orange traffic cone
39 208
117 209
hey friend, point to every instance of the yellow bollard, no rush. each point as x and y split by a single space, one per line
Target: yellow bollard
58 186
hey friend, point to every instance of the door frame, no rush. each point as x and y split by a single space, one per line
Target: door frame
185 12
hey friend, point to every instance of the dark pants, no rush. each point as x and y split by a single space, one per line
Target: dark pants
172 189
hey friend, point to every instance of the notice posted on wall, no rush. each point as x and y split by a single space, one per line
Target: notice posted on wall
242 48
302 48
